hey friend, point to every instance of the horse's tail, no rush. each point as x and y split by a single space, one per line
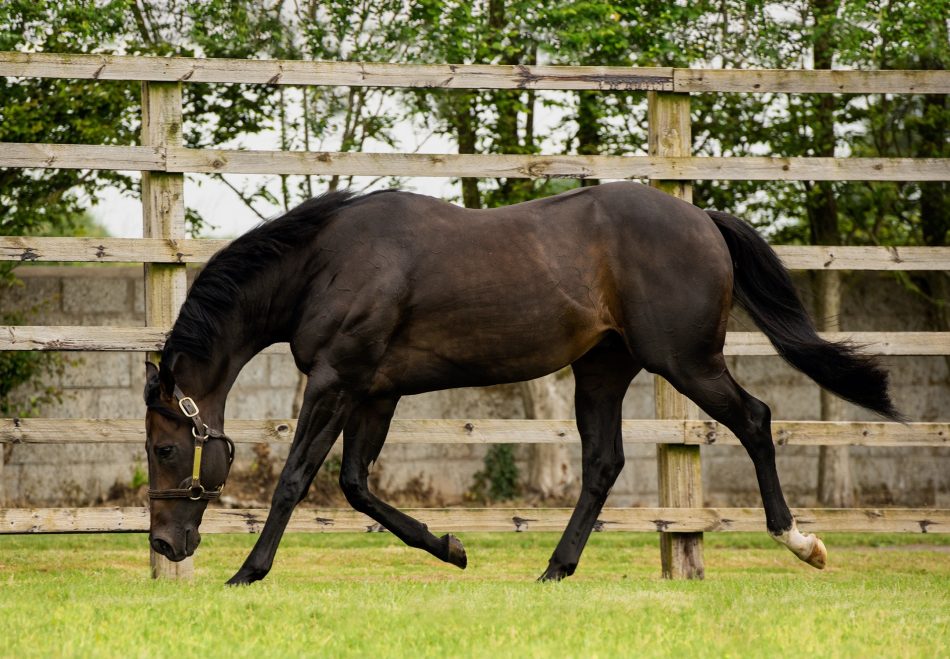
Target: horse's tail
763 287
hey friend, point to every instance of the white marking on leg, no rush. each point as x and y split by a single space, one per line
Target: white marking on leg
798 543
807 547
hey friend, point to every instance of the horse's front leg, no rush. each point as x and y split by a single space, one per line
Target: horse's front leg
363 439
323 414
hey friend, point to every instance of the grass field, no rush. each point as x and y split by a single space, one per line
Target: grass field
368 595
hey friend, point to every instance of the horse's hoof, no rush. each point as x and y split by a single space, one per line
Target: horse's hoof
246 577
552 574
454 551
818 557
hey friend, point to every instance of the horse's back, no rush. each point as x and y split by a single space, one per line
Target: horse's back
462 297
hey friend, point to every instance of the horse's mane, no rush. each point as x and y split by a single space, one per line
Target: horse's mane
217 288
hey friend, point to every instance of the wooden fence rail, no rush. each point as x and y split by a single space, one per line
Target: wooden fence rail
675 520
467 76
36 249
163 160
177 159
693 432
139 339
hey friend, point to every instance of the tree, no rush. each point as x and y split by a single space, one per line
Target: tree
822 34
51 202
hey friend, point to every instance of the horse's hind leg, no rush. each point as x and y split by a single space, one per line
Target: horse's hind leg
602 377
363 439
709 384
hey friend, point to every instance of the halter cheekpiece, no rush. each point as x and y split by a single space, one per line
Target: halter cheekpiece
202 433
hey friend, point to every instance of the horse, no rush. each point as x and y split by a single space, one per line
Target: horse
391 293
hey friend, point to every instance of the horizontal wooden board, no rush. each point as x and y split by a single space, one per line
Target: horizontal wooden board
75 338
222 520
354 74
829 433
874 343
811 81
30 249
500 431
466 76
139 339
557 166
802 257
156 250
184 160
82 156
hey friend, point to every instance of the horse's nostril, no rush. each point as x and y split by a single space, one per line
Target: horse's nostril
162 547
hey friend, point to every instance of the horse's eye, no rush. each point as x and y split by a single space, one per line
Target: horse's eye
164 452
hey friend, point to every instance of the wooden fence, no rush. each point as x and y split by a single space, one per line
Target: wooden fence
163 160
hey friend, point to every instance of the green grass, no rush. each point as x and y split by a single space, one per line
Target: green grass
368 595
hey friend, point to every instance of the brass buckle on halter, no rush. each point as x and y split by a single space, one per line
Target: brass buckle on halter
197 489
188 407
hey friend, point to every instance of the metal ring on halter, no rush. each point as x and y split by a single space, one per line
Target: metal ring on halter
195 492
194 432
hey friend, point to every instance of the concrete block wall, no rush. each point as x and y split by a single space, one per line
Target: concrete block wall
109 385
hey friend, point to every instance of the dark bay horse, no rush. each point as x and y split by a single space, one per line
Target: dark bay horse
392 293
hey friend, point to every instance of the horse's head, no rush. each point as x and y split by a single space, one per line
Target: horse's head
188 463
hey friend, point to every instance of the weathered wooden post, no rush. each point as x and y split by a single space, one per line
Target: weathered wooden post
163 216
835 484
679 476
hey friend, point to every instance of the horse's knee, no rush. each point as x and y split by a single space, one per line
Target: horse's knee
612 471
600 475
289 492
355 490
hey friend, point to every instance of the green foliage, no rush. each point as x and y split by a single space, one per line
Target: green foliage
108 112
18 368
729 33
856 34
498 480
46 110
139 477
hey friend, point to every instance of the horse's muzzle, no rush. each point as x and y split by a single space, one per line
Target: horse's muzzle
165 544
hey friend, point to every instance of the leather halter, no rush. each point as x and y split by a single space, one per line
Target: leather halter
202 433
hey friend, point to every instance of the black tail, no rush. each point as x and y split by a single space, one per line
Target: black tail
763 287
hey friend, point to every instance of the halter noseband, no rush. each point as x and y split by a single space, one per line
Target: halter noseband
202 433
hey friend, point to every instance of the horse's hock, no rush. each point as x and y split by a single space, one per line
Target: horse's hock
107 385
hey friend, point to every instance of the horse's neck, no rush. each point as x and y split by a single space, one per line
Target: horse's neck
263 317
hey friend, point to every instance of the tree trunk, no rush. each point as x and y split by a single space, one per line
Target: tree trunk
550 473
464 121
934 202
835 483
588 128
835 486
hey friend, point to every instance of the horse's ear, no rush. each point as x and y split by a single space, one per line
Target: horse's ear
151 382
166 378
